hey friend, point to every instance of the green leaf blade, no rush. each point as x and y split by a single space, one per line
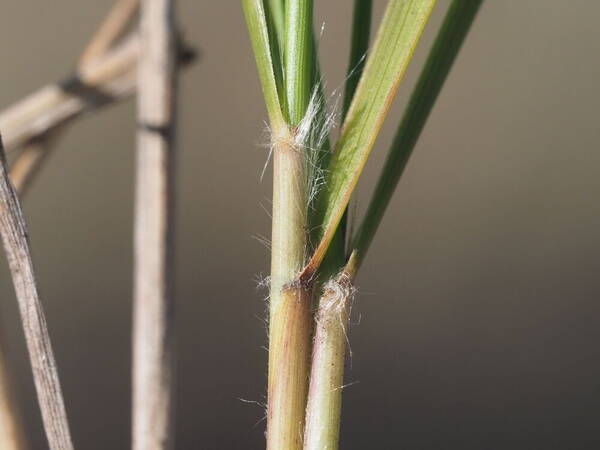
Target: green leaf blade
397 38
335 258
447 44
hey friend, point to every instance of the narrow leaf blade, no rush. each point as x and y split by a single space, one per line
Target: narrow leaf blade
447 44
397 38
256 21
361 30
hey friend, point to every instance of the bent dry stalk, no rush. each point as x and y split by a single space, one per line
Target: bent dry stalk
112 76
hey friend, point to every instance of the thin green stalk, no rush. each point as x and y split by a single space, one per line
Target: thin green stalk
456 25
397 38
289 309
256 20
298 58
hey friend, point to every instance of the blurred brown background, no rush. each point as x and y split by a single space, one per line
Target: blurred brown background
478 319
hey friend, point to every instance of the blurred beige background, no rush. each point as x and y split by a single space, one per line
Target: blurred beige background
478 318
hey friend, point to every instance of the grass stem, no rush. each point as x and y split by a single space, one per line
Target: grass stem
290 319
289 309
289 359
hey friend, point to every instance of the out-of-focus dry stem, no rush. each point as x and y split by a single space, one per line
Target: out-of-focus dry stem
153 328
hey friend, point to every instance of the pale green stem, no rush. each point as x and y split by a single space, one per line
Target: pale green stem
290 314
289 311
